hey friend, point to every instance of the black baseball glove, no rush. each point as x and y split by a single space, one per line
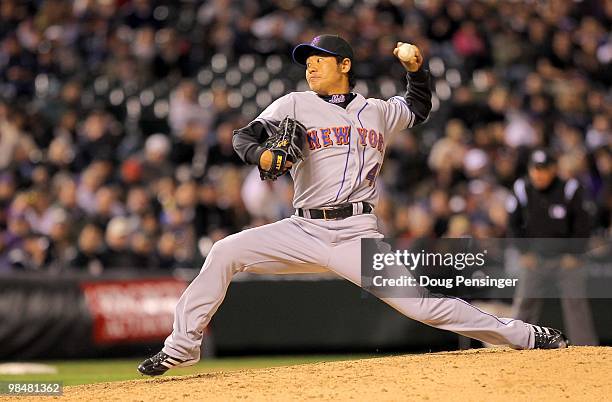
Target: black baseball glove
286 145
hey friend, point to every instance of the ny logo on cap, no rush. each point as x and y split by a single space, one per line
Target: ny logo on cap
316 41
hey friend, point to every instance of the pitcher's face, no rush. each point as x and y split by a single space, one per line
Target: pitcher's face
326 76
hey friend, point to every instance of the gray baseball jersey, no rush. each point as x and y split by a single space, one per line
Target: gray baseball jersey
345 147
344 151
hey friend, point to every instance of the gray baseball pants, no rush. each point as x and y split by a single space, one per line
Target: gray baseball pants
300 245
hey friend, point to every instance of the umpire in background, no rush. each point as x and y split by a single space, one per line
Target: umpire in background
545 206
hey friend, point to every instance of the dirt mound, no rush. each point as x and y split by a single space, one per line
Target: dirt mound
577 373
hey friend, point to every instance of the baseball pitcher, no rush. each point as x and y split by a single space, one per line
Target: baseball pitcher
332 141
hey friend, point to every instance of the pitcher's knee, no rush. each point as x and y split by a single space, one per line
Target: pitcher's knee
225 252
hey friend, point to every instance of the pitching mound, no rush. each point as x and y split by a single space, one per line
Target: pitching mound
577 373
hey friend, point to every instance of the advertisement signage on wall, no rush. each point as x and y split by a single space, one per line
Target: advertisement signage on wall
132 310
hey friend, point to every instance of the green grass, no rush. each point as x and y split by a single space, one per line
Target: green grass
92 371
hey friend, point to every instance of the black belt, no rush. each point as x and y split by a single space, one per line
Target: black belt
333 213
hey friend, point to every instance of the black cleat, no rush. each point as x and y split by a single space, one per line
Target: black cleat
549 338
160 363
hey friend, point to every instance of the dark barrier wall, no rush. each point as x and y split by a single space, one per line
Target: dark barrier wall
80 316
41 316
45 316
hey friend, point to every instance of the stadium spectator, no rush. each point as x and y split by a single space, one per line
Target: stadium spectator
185 109
155 161
90 255
165 251
117 237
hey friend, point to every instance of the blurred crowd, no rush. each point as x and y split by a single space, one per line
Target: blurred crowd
116 117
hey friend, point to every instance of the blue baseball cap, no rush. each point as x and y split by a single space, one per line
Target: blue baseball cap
329 44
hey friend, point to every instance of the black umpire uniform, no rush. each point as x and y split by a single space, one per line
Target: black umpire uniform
544 206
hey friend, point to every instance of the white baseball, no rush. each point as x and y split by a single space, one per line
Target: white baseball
406 52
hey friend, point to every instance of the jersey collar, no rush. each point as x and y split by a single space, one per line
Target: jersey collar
356 103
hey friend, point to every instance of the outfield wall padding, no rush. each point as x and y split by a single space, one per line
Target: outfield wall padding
70 316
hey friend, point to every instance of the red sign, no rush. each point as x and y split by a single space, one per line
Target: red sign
132 310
